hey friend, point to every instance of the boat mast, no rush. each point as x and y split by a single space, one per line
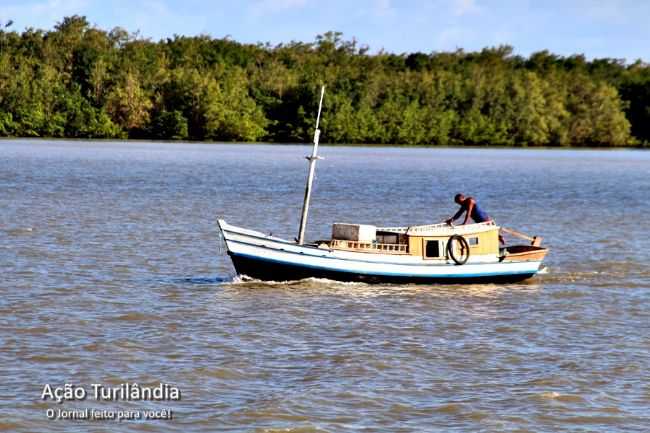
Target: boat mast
312 167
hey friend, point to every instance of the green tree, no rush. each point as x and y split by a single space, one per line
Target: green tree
128 104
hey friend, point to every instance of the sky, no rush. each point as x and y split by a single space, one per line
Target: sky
596 28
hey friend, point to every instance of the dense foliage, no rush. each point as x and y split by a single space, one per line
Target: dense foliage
80 81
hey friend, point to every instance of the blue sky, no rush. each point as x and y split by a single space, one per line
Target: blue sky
596 28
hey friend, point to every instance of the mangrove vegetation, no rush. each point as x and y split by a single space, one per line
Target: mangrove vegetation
77 80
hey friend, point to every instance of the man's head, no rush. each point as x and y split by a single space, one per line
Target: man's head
459 198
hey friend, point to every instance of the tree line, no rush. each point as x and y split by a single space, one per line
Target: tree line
77 80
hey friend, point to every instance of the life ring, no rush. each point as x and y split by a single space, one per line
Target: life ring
464 249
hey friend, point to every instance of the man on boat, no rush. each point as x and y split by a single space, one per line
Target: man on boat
469 205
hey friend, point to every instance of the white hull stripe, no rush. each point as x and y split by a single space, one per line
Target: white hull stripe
325 256
262 238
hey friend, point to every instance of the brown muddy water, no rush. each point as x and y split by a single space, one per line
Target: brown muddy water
112 274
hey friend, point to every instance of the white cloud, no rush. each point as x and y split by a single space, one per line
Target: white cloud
465 7
382 7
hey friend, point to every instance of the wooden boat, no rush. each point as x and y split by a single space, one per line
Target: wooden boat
435 253
422 254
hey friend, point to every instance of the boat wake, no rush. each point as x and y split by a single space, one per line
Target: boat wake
245 280
600 274
360 289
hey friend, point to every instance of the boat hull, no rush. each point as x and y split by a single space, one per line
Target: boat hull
265 257
270 270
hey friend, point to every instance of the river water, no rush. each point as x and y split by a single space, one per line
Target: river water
112 273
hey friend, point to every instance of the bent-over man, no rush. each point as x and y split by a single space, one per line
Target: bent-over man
469 205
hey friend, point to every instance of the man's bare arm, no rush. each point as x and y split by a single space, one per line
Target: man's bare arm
456 216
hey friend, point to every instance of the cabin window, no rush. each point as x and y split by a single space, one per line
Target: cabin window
472 242
432 249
